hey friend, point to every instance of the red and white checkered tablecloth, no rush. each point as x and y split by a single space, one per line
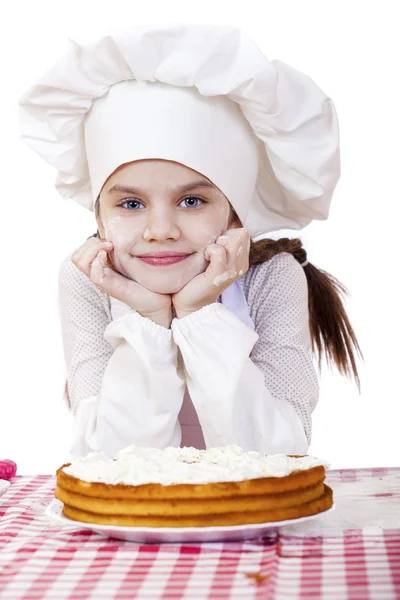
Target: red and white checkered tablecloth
39 559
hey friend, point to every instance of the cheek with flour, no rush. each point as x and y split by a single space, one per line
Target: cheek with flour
124 237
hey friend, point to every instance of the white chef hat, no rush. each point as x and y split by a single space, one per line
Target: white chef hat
201 95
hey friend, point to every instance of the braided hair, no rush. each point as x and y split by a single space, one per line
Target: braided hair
332 335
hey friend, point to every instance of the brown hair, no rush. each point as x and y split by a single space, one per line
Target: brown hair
332 335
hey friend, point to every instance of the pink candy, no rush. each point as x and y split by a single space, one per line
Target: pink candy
8 469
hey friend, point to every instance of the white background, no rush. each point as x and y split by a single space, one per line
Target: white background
350 49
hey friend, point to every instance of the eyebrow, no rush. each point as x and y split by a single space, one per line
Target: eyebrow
182 189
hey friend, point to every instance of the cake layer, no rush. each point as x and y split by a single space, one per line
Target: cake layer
225 489
249 516
188 506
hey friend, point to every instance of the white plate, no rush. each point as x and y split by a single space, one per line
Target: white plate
153 535
4 485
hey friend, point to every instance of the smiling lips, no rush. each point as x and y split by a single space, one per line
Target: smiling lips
163 258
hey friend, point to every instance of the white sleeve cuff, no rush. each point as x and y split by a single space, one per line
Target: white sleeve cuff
156 342
220 338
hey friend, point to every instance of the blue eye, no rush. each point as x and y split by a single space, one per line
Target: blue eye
190 198
131 201
191 202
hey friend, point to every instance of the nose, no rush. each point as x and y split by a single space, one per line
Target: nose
161 227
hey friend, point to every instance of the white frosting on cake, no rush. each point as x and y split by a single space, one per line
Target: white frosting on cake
135 466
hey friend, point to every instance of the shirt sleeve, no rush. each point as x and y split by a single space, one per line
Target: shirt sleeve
256 388
123 380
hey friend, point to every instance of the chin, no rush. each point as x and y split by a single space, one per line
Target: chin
161 287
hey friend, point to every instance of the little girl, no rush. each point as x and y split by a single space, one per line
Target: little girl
183 324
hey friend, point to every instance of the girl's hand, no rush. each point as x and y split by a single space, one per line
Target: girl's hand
229 260
92 259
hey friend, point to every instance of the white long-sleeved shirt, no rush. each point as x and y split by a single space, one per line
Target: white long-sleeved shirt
253 388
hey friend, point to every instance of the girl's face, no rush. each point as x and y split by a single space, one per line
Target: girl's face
158 206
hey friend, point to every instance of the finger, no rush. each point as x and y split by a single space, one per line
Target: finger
86 253
236 244
218 270
216 254
110 281
98 268
223 240
234 237
84 256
